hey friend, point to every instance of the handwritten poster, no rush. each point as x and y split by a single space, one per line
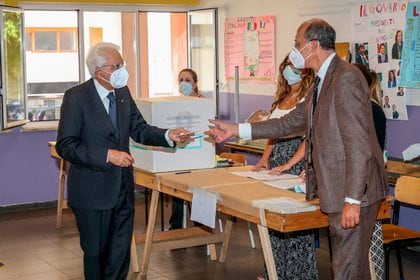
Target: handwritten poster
410 62
377 34
250 45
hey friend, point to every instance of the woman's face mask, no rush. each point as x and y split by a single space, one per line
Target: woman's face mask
292 76
185 88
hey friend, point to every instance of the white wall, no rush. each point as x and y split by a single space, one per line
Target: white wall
289 15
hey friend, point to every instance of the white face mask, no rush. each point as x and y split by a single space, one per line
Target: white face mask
185 88
119 77
291 76
297 58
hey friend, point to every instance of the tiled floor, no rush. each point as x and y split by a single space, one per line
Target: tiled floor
31 248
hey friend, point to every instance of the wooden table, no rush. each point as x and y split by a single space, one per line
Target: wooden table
61 202
249 147
395 167
228 187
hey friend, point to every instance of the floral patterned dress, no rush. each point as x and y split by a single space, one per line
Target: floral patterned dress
294 252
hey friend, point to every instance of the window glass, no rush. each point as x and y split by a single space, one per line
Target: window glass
67 41
50 71
118 28
13 71
45 41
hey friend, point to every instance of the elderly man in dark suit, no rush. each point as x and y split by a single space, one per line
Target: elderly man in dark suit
349 175
97 119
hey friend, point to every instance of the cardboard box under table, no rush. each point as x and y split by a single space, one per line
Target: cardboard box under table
236 195
191 113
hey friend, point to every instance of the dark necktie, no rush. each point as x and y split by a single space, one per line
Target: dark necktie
314 101
113 112
315 93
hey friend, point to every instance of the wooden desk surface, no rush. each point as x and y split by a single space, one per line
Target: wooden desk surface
236 195
395 168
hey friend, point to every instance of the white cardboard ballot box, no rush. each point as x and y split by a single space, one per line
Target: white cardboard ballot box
191 113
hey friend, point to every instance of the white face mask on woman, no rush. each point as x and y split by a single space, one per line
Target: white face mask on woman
292 76
297 58
119 77
185 88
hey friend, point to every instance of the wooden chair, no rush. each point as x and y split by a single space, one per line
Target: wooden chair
236 158
407 191
239 159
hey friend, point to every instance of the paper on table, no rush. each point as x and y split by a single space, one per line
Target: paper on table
287 184
283 205
263 175
203 209
412 152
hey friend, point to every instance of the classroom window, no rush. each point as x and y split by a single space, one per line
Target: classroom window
52 61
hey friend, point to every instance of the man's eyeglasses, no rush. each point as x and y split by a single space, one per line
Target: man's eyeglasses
114 66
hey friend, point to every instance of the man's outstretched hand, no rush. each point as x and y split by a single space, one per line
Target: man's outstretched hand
222 130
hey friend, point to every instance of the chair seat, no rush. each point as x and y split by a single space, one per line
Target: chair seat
393 233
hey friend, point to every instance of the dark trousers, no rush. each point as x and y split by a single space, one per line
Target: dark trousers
350 247
177 213
105 238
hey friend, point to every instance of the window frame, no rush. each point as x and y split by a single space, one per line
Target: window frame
33 30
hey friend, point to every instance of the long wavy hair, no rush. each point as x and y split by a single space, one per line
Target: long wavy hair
284 89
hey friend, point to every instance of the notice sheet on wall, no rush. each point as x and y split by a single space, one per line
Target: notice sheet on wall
410 66
250 45
377 34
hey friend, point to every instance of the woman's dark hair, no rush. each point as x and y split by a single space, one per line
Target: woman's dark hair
396 35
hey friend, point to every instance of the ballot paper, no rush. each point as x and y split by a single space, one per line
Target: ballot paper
296 184
283 205
263 175
412 152
203 209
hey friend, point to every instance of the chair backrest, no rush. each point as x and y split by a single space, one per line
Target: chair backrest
407 190
236 158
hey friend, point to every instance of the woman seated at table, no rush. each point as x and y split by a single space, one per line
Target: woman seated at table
294 253
187 86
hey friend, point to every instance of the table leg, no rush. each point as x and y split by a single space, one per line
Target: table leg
266 247
154 201
60 198
134 259
227 232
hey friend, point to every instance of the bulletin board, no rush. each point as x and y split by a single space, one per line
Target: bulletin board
250 45
380 28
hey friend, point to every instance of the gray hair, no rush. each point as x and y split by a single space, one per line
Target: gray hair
320 30
96 57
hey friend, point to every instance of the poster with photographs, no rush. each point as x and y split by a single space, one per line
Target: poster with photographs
377 35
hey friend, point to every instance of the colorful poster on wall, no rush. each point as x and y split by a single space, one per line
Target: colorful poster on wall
250 45
410 62
377 35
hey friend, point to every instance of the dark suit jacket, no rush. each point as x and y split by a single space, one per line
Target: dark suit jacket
85 134
347 159
385 60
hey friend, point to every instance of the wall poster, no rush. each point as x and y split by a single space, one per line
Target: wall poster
377 36
410 66
250 44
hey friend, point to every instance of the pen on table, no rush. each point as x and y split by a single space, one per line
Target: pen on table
183 172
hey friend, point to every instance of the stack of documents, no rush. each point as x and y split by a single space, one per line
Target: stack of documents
283 205
281 181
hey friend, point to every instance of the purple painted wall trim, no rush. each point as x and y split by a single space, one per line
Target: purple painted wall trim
401 134
27 172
